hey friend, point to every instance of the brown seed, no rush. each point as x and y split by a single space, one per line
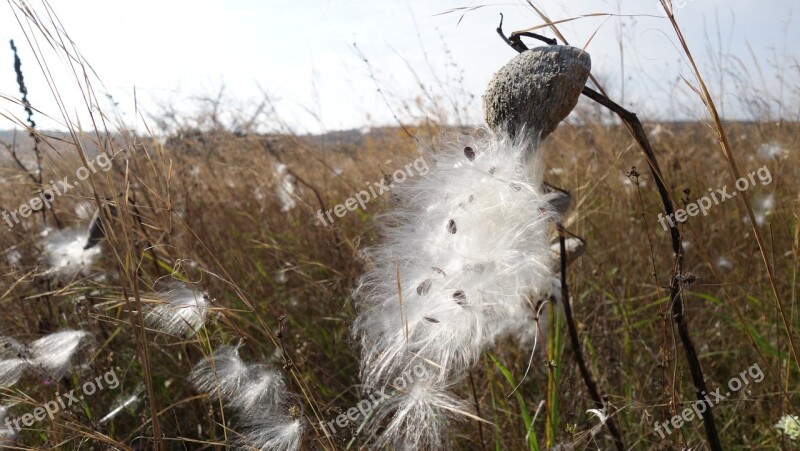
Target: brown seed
469 153
471 198
491 170
460 297
451 226
435 321
439 270
424 287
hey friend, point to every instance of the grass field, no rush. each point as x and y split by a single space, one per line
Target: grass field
234 214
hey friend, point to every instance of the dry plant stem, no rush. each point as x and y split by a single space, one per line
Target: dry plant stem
636 130
477 409
722 138
139 331
337 238
576 344
383 97
147 241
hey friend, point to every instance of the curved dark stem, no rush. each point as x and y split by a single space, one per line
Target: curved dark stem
515 41
576 344
636 130
287 360
477 409
515 36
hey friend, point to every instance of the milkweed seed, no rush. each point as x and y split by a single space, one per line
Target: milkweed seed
469 153
451 226
424 287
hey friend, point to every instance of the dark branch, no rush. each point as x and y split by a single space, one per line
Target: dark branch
515 37
515 42
576 344
636 130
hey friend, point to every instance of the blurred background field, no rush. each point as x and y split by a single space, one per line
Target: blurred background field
226 198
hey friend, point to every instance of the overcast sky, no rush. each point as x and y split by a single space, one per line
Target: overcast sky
301 52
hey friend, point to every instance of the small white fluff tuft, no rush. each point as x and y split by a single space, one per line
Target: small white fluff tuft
11 371
53 353
280 433
417 416
286 187
11 348
64 254
466 247
49 356
13 257
270 418
262 387
8 435
182 310
222 375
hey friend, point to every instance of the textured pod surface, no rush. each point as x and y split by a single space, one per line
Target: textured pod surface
536 90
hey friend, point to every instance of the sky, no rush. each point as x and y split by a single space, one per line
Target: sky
301 55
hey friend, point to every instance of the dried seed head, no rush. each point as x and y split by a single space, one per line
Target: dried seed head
536 90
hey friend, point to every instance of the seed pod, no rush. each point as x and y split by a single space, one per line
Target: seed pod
575 247
536 90
559 199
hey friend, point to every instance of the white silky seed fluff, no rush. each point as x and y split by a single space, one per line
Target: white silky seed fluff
467 245
53 353
182 310
257 395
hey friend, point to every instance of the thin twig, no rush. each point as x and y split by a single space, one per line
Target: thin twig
576 344
380 91
477 409
635 128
